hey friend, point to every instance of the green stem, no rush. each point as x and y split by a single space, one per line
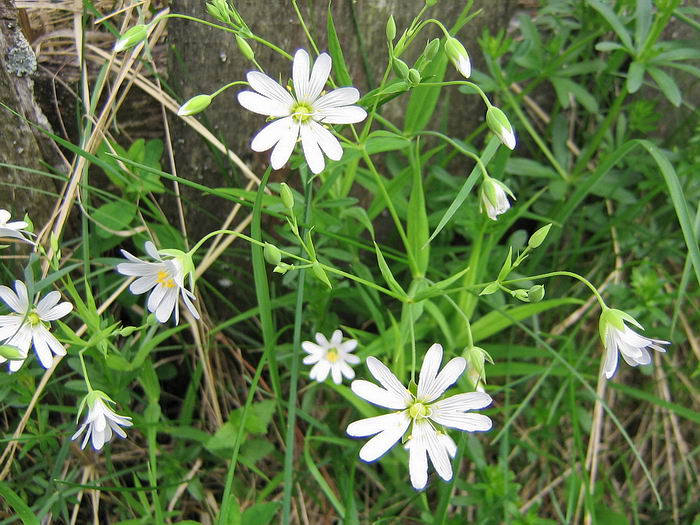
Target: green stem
562 274
86 377
224 88
458 147
303 26
459 83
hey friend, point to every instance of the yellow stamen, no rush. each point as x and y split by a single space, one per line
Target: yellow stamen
332 355
33 318
418 410
301 112
165 280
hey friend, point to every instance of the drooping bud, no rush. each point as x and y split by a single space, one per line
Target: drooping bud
133 36
494 197
287 196
11 353
391 28
194 105
272 254
476 358
458 56
500 126
536 293
245 48
539 236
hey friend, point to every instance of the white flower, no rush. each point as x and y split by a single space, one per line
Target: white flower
13 229
101 422
166 278
302 113
420 411
617 336
494 197
332 357
30 324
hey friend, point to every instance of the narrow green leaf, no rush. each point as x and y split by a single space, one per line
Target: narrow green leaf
386 272
17 504
635 76
612 19
417 220
336 52
667 85
642 23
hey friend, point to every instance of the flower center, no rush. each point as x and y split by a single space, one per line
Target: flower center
302 112
332 355
418 411
165 279
33 318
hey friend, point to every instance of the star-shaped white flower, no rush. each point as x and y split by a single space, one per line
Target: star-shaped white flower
617 336
302 114
332 357
166 278
101 422
494 197
30 325
13 229
422 412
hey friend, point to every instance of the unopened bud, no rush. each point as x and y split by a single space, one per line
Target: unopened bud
400 67
539 236
128 330
11 353
500 126
431 3
287 196
458 56
245 48
414 76
391 28
272 254
522 295
536 293
431 49
282 268
131 37
194 105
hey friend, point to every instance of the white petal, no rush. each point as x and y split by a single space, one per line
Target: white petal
344 115
336 374
300 75
352 359
448 443
152 251
57 312
312 151
269 88
271 134
438 454
311 359
187 298
428 371
23 298
417 459
4 216
167 305
374 425
139 269
347 371
463 402
12 300
387 438
446 378
156 298
378 396
388 380
322 341
49 301
263 105
54 344
348 346
325 139
143 284
284 148
336 338
320 370
319 76
462 421
610 355
337 98
41 346
312 348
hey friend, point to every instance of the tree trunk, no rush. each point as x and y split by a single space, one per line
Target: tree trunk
21 144
203 59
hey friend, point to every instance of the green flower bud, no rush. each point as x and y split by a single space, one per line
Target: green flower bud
320 274
539 236
458 56
494 197
431 49
287 196
413 76
536 293
272 254
521 294
128 330
500 126
431 3
476 358
245 48
400 67
391 28
11 353
131 37
194 105
282 268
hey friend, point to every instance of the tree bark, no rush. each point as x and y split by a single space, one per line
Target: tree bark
20 143
203 59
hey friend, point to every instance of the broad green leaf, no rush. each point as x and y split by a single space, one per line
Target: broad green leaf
667 85
115 215
261 513
635 76
612 19
336 52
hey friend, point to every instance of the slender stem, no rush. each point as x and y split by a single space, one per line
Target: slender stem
467 323
224 88
86 377
303 26
459 148
459 83
563 274
413 343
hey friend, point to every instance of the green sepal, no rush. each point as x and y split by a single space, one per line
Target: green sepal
539 236
320 274
490 288
507 265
